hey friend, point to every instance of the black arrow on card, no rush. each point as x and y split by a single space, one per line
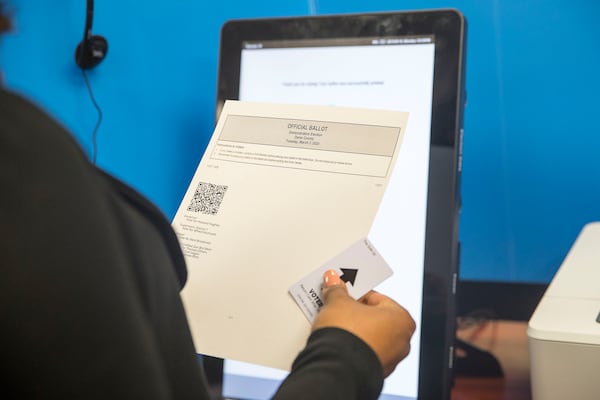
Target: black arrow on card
348 275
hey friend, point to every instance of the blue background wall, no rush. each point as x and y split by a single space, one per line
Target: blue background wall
531 170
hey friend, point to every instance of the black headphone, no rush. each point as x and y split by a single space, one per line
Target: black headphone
93 48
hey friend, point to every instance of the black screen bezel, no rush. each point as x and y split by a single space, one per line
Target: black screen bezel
442 249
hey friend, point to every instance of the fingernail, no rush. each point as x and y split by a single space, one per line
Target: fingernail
331 278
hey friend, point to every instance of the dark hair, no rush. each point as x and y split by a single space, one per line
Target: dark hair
5 24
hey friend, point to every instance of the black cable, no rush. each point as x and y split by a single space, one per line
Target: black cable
95 133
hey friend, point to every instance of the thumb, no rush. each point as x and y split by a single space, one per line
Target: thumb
333 287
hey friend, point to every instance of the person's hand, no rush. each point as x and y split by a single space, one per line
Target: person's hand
378 320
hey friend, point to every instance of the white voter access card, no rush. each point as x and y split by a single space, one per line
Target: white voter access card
360 266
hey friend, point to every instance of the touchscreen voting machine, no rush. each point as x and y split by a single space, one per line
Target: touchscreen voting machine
405 61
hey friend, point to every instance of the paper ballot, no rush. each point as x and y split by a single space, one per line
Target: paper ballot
280 190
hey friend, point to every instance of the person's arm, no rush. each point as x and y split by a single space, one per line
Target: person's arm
354 344
335 364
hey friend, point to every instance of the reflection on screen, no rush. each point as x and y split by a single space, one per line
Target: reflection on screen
390 73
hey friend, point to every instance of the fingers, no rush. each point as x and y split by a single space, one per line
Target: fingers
333 287
377 299
372 298
331 278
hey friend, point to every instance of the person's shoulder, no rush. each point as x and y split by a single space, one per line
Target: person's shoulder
27 131
33 143
39 158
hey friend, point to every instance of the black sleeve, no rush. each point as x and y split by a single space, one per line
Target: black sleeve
335 364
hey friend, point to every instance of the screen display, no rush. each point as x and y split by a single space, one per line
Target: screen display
393 73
